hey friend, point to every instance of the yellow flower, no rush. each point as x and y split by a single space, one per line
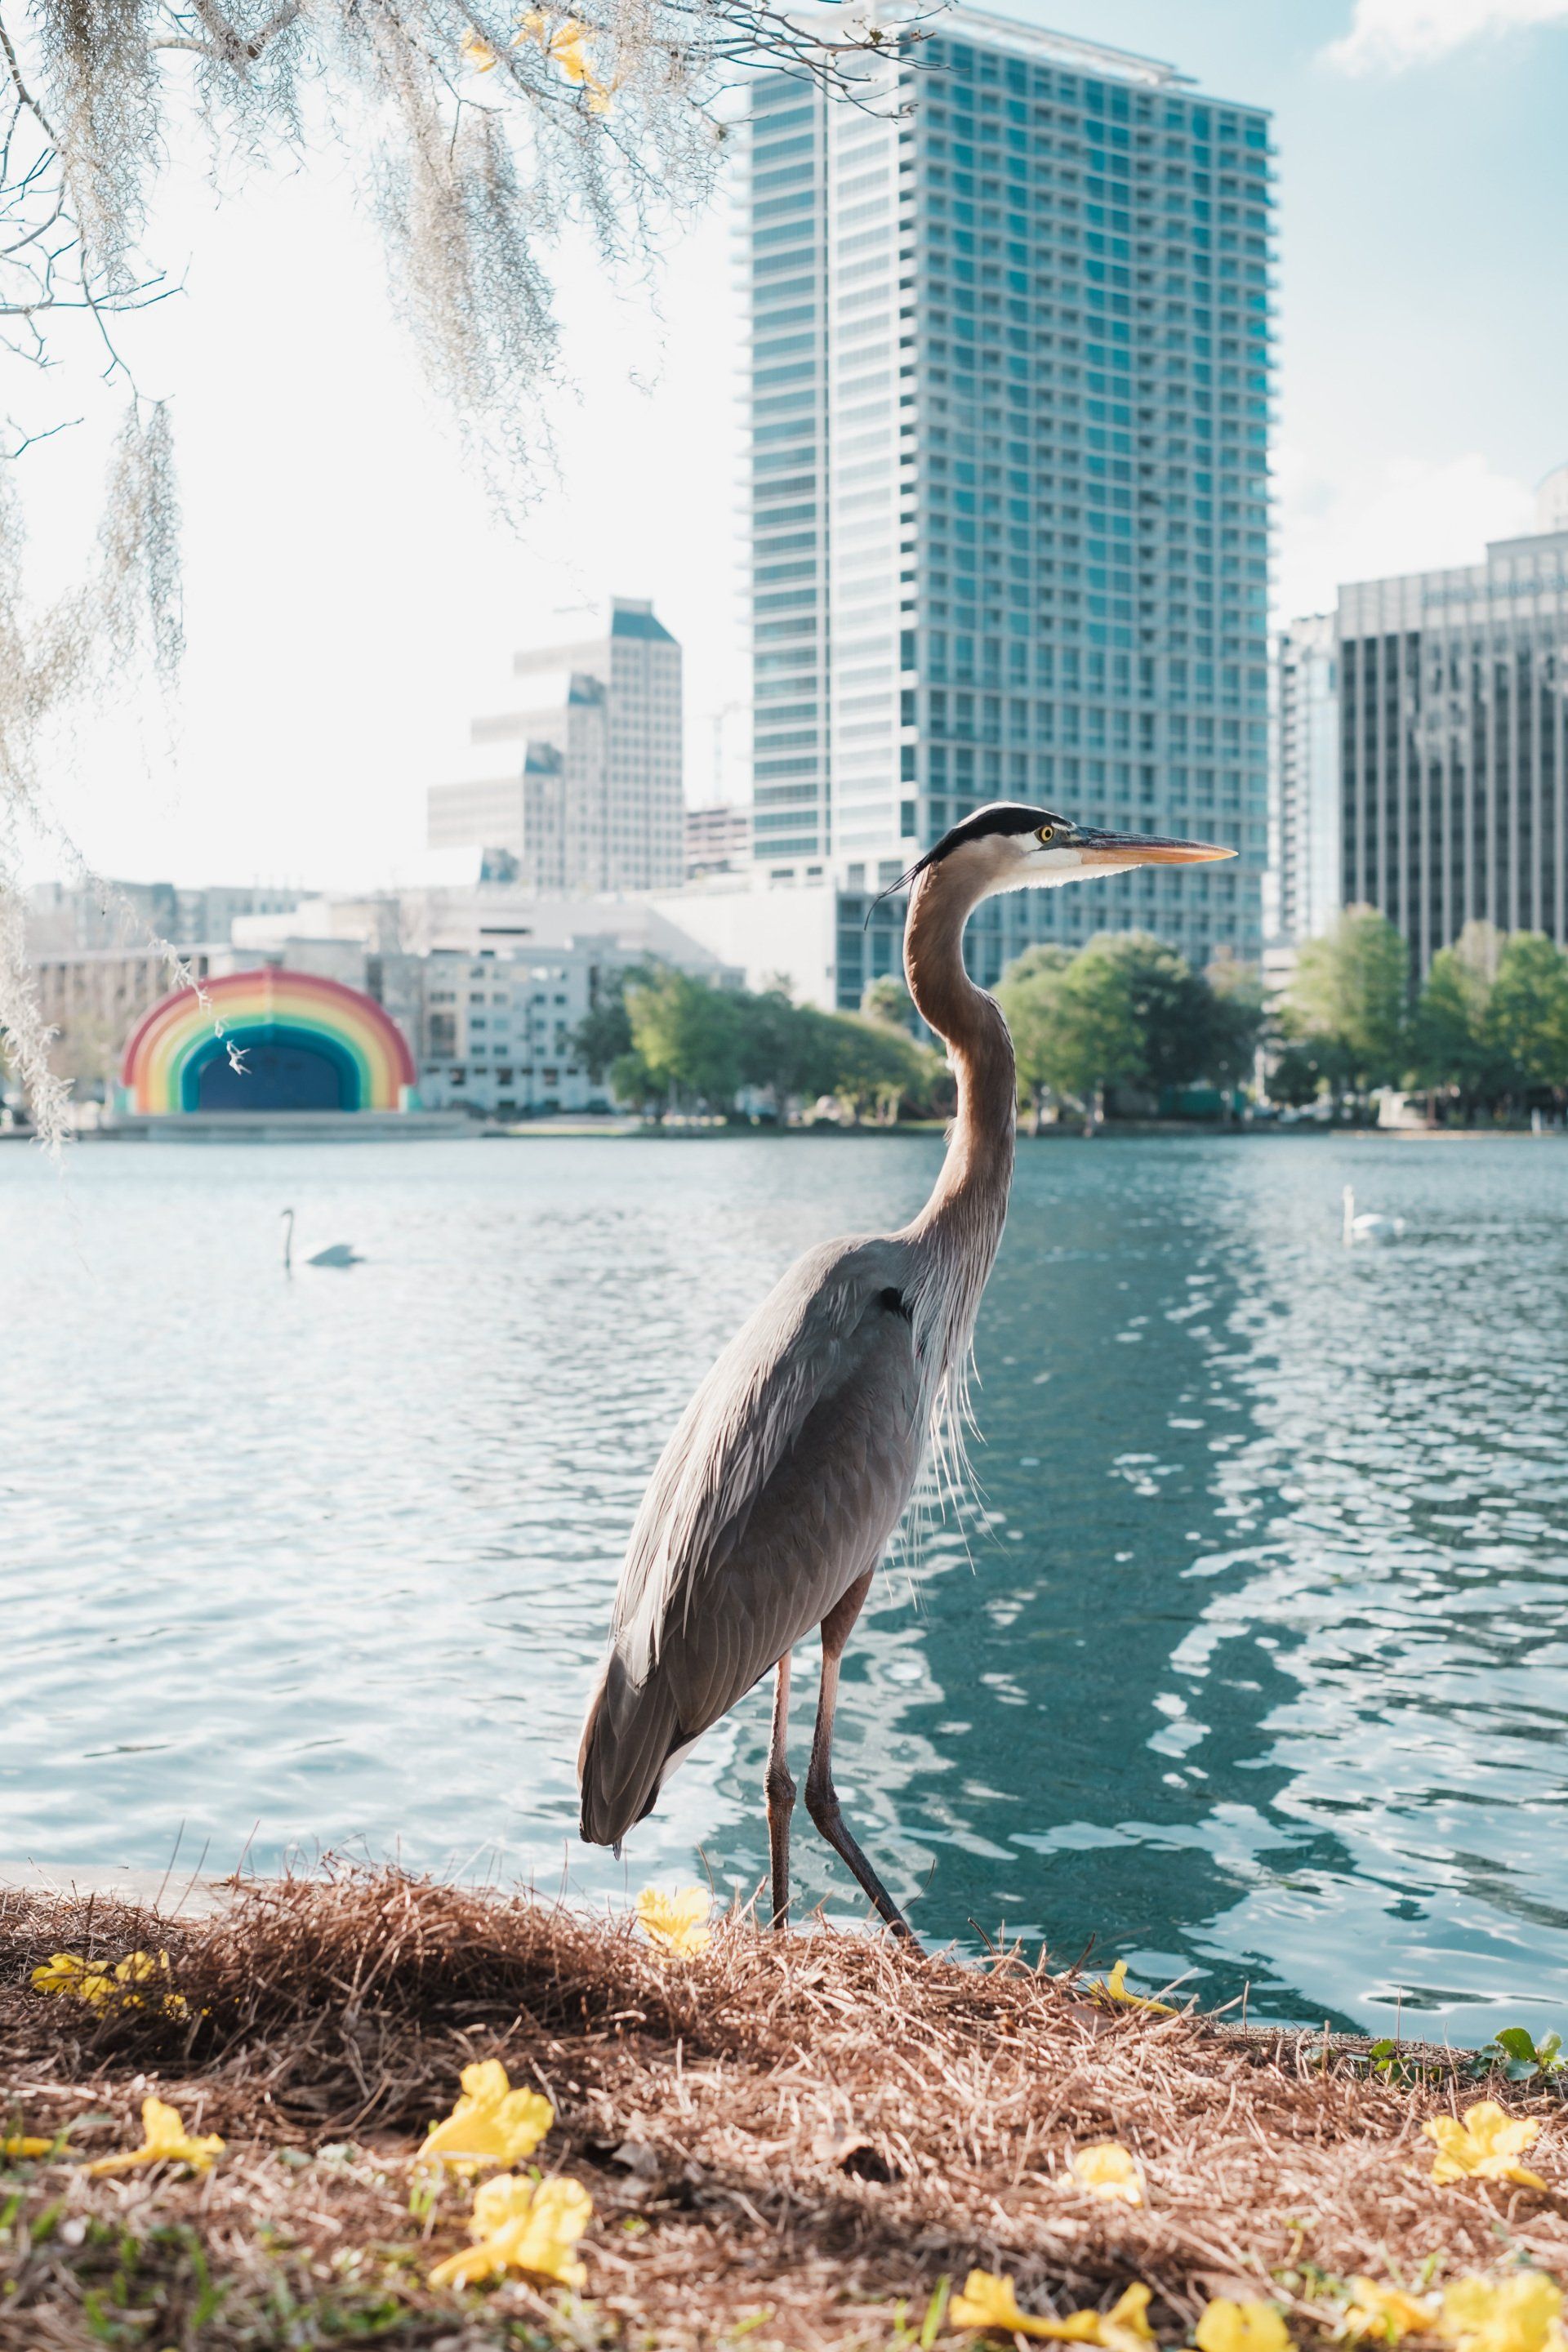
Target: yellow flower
1522 2314
676 1923
19 2143
138 1968
478 54
523 2227
1114 1988
64 1972
164 2141
1125 2326
1387 2312
1226 2326
564 45
1483 2147
491 2123
1108 2171
989 2301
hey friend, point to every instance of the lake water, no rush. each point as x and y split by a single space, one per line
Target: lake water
1250 1664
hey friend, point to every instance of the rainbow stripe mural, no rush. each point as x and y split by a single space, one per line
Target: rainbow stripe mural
302 1043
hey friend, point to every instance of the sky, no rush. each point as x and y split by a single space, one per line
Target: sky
353 593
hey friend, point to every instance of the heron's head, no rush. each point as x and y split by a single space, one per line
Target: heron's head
1011 847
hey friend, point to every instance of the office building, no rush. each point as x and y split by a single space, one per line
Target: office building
1303 889
579 788
491 985
1453 697
1009 520
717 839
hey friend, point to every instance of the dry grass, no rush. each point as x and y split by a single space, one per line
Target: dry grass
788 2142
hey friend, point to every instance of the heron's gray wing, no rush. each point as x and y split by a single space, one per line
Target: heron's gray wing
797 1350
781 1486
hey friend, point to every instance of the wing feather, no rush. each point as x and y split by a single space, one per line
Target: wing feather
781 1486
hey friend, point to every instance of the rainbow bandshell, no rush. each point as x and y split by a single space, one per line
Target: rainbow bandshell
175 1043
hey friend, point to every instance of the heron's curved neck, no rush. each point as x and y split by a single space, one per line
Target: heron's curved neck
978 1170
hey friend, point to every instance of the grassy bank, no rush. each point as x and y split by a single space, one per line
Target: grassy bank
788 2142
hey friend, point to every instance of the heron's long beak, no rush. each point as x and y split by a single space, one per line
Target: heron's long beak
1142 849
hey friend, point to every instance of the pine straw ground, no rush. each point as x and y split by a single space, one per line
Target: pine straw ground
789 2142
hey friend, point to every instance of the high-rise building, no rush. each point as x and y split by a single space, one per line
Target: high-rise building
1303 893
582 787
1008 400
1454 768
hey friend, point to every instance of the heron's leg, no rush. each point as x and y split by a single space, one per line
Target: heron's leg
821 1797
780 1790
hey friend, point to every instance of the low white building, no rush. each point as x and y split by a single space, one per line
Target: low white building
489 984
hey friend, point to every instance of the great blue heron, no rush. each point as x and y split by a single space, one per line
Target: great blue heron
336 1253
793 1462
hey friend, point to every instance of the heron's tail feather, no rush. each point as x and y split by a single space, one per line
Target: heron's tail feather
630 1735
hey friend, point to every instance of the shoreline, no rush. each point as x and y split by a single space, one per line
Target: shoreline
568 1131
802 2143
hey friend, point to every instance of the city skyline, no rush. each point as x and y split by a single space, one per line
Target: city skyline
372 630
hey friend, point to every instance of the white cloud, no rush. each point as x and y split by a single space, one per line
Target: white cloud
1371 522
1385 36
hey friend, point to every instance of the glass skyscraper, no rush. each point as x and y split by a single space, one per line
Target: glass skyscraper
1454 739
1009 416
1303 881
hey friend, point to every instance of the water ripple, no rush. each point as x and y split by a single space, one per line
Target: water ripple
1248 1661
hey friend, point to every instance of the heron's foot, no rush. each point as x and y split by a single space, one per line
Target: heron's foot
822 1804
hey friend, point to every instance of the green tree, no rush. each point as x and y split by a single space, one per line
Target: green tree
631 1081
784 1049
1351 993
1170 1005
1299 1074
1029 993
607 1033
1452 1044
877 1067
687 1035
1102 1039
1526 1019
886 999
1234 1019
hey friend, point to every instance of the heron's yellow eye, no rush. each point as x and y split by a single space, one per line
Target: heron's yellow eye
1043 834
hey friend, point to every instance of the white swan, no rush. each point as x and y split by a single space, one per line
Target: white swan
1370 1226
338 1254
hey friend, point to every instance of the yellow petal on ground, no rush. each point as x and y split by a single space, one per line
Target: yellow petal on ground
677 1923
476 52
164 2140
63 1972
1107 2170
522 2226
1226 2326
1482 2145
1520 2313
1114 1988
491 2123
988 2301
1125 2326
138 1968
1386 2313
19 2143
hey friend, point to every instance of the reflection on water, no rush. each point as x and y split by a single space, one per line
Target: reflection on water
1247 1661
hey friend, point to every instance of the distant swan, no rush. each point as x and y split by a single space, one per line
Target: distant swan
1369 1226
338 1254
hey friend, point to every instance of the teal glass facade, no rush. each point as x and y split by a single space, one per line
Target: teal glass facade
1011 363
